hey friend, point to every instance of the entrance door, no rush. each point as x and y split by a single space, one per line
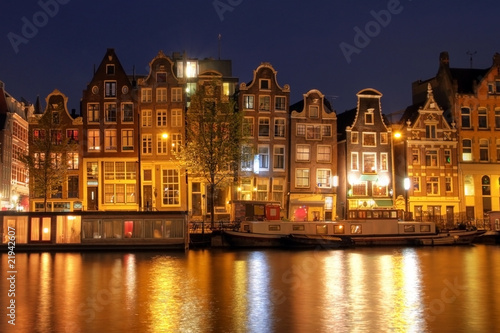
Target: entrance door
147 203
92 198
449 215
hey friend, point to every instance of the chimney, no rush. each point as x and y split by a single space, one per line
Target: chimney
496 59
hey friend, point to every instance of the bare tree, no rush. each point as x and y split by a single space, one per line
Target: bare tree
214 137
47 159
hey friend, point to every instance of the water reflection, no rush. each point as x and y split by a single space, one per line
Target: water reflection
356 290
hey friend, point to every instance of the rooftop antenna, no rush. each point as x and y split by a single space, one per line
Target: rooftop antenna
219 37
470 54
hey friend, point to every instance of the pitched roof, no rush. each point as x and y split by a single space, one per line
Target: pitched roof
466 78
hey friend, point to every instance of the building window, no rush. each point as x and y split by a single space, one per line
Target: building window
161 95
161 77
93 140
127 112
384 138
447 184
110 69
280 103
465 117
482 118
248 127
432 185
278 188
369 118
264 157
369 163
56 137
360 188
176 118
467 150
468 185
262 186
313 132
147 144
279 158
313 111
73 187
384 163
110 140
264 127
301 130
93 113
55 117
176 142
324 154
326 130
354 138
161 144
302 178
127 140
430 131
323 177
485 185
73 161
109 88
447 156
264 84
302 153
498 150
354 161
415 156
484 150
119 170
171 187
146 95
176 94
161 118
247 158
369 140
416 184
379 190
497 119
248 102
431 158
110 112
147 118
264 103
279 128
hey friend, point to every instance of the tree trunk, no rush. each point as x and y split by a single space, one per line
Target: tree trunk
212 205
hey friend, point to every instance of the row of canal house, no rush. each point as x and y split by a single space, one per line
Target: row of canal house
316 164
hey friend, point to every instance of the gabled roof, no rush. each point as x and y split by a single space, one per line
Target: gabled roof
466 78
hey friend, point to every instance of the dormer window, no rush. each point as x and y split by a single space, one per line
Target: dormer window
110 69
264 84
313 111
369 117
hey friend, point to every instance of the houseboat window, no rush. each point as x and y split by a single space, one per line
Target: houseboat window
19 224
409 228
246 227
394 214
338 229
133 229
298 227
274 227
40 229
321 229
356 229
68 229
91 229
153 229
425 228
174 229
112 229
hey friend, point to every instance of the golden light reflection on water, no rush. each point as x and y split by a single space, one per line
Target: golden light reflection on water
420 290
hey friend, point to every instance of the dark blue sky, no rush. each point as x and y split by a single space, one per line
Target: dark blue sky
312 44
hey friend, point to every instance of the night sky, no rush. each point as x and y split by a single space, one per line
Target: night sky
337 47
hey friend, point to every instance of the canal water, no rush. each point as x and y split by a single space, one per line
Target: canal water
386 289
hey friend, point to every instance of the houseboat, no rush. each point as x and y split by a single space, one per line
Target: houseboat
76 231
363 228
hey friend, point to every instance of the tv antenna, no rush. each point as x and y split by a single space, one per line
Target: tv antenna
470 54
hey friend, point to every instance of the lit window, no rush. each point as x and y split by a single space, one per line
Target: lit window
127 140
248 102
302 178
161 94
467 150
110 140
279 127
264 103
93 112
146 95
323 177
127 112
176 94
264 157
369 163
324 153
302 153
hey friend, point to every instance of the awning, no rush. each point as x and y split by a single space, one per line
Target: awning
384 202
372 178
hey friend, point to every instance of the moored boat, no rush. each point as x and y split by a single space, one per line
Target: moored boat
365 228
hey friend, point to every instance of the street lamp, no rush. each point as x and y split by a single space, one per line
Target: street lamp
406 187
